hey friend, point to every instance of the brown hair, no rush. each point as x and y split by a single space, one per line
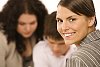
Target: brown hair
85 7
50 27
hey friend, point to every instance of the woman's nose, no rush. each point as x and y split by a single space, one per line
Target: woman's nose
65 25
27 28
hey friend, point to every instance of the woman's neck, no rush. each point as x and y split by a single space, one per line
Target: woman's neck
28 45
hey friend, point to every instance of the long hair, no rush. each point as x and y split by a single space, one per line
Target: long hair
12 11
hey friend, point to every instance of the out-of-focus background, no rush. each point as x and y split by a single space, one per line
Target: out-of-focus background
51 5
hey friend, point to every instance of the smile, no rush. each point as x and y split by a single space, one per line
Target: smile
68 34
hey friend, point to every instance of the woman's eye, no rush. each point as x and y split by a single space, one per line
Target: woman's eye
59 21
21 23
72 19
32 23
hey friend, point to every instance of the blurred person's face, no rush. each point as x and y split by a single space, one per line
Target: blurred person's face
71 26
27 24
58 47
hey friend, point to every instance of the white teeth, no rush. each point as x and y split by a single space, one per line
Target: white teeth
68 35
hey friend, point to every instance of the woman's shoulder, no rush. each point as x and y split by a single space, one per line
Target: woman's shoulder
3 37
3 40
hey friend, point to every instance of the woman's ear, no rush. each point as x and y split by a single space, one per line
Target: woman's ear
92 21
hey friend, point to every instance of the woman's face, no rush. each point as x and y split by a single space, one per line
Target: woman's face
27 24
72 27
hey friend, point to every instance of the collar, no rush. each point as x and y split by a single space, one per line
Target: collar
93 36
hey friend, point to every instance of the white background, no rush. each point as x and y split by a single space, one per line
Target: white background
51 5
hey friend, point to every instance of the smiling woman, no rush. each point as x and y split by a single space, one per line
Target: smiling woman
78 26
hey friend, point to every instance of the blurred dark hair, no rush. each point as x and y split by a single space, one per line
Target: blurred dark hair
50 27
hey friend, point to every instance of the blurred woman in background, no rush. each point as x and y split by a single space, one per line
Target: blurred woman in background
22 27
